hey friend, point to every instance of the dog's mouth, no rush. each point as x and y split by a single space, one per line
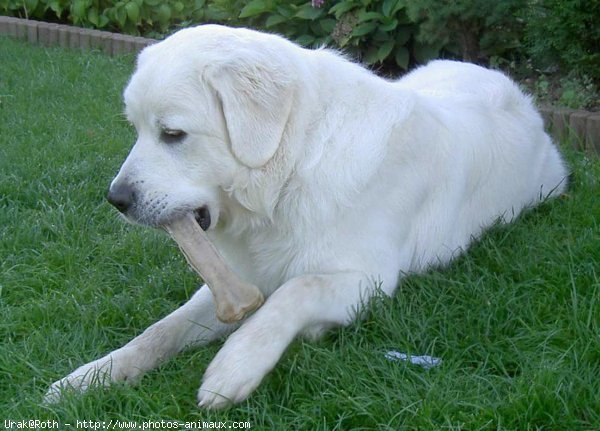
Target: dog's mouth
202 216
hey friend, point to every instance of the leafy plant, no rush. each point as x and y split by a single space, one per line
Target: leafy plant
127 16
374 31
476 29
564 33
578 92
572 91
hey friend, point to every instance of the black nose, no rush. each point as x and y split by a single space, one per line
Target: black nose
121 195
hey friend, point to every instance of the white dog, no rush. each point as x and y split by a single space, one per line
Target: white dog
318 181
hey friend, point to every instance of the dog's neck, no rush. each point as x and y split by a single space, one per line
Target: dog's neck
327 126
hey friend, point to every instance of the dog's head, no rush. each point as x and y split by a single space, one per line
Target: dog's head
210 106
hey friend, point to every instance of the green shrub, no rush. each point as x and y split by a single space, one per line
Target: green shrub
127 16
393 34
573 91
374 31
564 33
477 29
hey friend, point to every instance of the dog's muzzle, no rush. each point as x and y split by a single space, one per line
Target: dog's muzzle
121 196
202 216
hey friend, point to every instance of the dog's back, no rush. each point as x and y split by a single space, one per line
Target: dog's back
486 145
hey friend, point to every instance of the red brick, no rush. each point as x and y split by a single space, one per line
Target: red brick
577 128
546 112
143 42
43 33
74 38
21 31
96 39
560 123
592 134
64 36
3 25
128 44
84 39
32 31
47 33
12 27
118 45
106 43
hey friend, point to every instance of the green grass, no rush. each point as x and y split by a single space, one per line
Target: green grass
516 320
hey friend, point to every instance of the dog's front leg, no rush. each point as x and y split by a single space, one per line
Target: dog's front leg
302 303
194 323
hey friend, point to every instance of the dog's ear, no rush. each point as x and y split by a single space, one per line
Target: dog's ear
256 100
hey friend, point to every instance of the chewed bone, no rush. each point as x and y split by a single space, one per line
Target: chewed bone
234 297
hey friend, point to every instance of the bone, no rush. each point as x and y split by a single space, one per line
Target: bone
234 297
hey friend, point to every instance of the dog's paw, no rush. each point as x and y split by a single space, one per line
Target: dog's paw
238 369
116 366
229 379
95 373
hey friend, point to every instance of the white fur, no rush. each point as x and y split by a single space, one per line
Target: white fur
323 182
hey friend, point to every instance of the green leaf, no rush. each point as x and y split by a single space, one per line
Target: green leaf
341 8
164 14
103 21
323 41
287 10
403 34
274 19
385 50
363 29
152 3
327 25
78 10
93 17
315 28
390 7
178 6
121 16
305 40
309 12
370 56
402 57
133 12
389 26
130 28
56 7
253 8
368 16
30 5
214 13
425 52
380 36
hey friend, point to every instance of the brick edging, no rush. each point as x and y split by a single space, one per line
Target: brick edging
582 128
49 34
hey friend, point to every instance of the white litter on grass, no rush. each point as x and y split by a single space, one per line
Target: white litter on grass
425 361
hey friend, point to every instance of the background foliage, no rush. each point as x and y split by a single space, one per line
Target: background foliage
565 34
530 37
478 28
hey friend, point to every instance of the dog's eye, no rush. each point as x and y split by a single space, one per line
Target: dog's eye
172 136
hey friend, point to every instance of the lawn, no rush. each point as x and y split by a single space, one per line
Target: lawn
516 320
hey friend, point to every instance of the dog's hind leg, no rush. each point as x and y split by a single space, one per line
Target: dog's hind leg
309 301
193 324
